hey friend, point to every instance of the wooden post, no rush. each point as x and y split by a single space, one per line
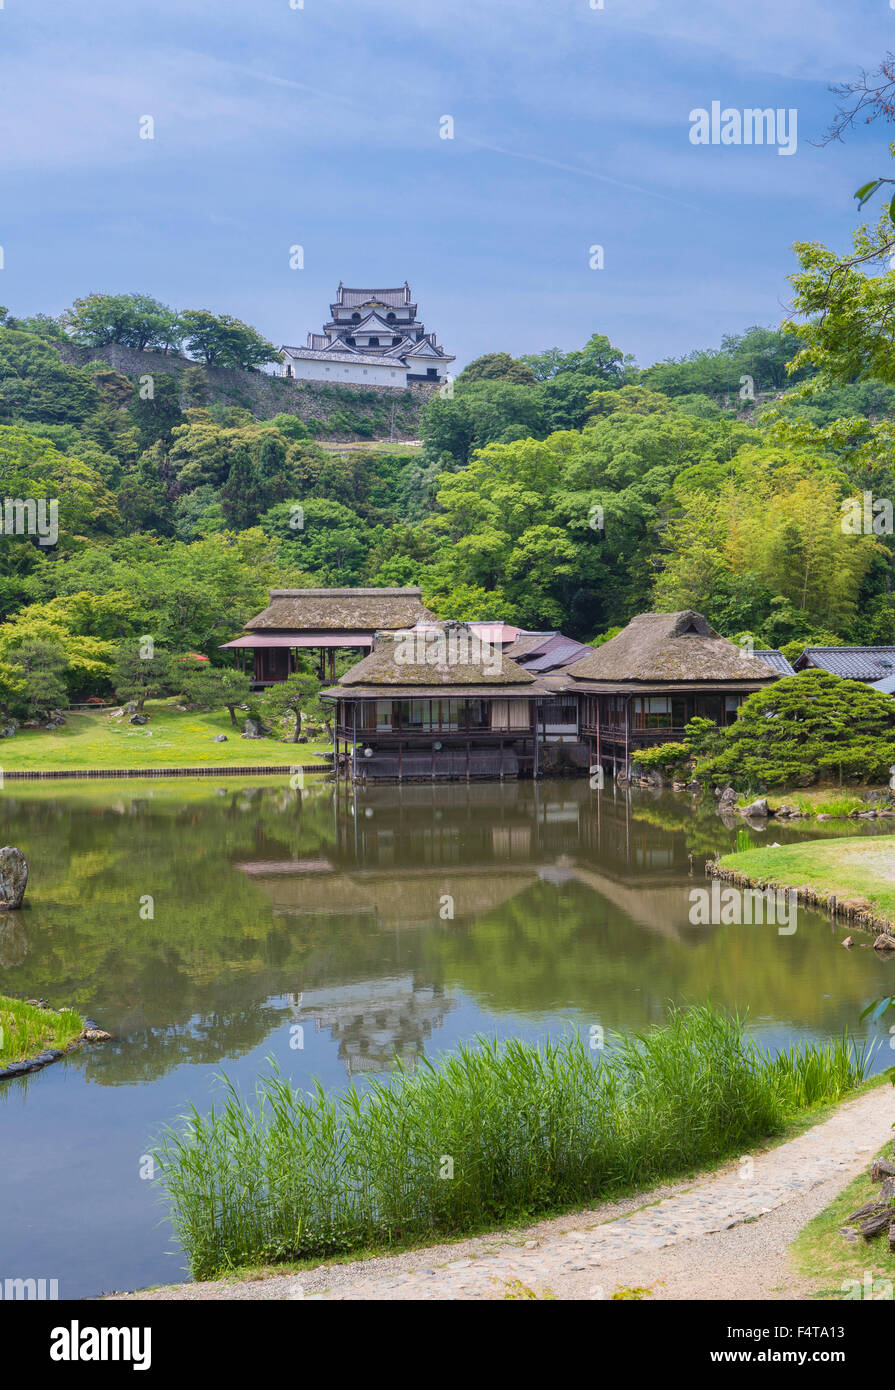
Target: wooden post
627 729
354 748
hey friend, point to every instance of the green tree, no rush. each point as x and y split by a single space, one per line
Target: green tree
155 409
42 665
241 495
805 728
195 386
135 320
497 366
289 697
141 671
223 341
215 687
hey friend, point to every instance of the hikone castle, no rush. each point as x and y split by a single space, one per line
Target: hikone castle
373 338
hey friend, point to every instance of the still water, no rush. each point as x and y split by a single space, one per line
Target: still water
213 928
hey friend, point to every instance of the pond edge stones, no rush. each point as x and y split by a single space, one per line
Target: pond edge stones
13 878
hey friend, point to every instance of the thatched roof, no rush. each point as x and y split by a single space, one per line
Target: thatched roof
443 655
345 610
670 647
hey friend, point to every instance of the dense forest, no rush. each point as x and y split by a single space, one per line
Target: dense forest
563 489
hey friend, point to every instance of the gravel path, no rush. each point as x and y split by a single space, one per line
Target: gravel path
723 1236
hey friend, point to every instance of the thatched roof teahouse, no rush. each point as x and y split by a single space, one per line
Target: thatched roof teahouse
326 620
437 702
643 686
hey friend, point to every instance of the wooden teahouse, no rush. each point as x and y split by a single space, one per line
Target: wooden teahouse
325 621
641 687
436 703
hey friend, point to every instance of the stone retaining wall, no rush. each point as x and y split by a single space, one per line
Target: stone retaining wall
265 396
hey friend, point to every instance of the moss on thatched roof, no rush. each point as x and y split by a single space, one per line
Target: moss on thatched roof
670 647
344 610
444 654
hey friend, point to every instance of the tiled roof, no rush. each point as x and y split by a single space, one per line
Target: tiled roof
775 659
556 655
346 355
853 663
528 643
397 298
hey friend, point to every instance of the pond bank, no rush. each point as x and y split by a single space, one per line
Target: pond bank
110 773
852 879
45 1035
723 1235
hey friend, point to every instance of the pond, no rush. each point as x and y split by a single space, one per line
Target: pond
214 928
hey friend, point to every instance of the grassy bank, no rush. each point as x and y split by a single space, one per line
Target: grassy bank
821 1252
492 1135
172 738
855 870
27 1029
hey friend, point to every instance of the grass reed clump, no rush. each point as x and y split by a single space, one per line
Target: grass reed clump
493 1133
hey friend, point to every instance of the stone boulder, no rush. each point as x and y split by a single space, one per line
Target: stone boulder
883 942
253 729
138 719
728 796
13 877
220 738
758 807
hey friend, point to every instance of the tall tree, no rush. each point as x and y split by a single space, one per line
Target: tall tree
43 665
141 672
223 341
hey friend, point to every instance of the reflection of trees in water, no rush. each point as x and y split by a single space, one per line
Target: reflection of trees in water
563 901
572 949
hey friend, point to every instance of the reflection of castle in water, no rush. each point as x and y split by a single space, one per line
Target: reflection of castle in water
376 1021
411 860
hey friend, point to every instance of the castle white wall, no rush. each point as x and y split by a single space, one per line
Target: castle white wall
388 374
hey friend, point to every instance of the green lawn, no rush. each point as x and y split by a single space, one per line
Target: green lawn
822 1253
172 738
26 1030
859 868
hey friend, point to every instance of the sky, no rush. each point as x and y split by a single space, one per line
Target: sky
322 126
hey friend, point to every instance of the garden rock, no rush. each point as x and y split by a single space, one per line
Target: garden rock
253 729
138 719
756 808
883 942
13 877
220 738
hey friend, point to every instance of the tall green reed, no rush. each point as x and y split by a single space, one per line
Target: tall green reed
493 1132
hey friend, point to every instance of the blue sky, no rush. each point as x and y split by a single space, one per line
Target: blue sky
319 126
